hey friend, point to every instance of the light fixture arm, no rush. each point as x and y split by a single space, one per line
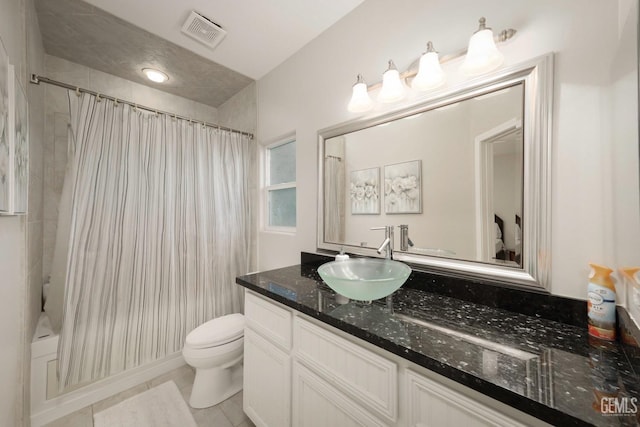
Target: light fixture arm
483 24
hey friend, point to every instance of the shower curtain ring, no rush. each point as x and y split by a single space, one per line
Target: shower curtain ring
115 102
98 97
77 91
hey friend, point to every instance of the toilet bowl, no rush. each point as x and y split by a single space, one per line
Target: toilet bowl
215 350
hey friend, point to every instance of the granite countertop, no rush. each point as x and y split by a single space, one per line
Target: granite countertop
542 367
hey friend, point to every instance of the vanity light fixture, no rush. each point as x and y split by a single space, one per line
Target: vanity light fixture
360 99
482 54
426 73
392 87
430 74
155 75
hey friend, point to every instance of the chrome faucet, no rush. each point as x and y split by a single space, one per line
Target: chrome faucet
387 245
405 241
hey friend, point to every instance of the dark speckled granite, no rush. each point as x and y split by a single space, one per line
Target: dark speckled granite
548 369
493 294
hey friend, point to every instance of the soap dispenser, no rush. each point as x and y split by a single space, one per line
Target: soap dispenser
341 299
342 256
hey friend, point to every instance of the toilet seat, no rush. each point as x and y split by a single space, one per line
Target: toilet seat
212 355
216 332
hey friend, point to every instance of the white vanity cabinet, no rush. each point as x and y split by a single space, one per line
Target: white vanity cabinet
300 372
317 403
338 383
267 363
430 404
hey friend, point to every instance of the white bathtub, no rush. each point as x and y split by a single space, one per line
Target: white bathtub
44 348
47 404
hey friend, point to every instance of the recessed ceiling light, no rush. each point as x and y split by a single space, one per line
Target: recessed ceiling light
155 75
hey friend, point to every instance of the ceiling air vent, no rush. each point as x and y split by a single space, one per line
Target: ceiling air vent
203 29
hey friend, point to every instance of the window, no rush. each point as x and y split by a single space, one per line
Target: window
280 188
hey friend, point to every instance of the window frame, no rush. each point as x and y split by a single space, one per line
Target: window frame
267 188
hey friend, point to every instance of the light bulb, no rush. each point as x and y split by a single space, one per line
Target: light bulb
155 75
430 74
360 100
482 54
392 87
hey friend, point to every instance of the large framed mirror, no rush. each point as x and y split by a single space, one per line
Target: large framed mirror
463 176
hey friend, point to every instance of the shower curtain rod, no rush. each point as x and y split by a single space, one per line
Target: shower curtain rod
36 79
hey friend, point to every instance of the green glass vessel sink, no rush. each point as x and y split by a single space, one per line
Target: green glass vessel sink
364 279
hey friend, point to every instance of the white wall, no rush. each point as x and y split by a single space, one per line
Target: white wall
507 200
21 237
310 92
621 160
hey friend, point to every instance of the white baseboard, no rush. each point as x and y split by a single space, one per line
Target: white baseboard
67 403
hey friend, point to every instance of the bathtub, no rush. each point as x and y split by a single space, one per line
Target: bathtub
44 348
48 404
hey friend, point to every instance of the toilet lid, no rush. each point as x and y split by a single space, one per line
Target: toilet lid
218 331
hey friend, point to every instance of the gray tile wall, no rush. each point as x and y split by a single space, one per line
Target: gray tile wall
35 96
240 112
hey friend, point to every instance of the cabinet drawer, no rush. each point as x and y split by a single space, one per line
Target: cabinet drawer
369 379
430 404
268 319
317 404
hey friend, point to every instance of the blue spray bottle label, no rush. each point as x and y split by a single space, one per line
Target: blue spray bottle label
602 311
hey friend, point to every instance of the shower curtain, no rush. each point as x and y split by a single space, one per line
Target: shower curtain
334 181
159 228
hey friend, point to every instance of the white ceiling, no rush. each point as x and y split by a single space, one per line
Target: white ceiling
261 34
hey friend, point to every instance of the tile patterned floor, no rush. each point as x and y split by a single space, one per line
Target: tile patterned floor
226 414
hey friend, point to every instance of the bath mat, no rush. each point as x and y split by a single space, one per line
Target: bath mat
161 406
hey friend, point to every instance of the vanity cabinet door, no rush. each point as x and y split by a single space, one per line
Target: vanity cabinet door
316 403
364 376
430 404
267 382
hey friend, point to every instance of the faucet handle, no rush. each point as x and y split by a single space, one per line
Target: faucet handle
378 228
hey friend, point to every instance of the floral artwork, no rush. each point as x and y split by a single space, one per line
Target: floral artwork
364 192
403 188
21 153
5 152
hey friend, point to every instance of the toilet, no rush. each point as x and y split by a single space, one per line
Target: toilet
215 350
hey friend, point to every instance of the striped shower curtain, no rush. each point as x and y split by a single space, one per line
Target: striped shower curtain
159 229
334 182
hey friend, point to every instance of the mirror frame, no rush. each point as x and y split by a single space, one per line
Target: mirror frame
537 76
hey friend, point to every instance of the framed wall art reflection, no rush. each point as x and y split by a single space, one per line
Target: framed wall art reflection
364 191
19 134
403 188
5 144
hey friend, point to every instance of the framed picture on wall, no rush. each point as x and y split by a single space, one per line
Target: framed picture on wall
5 148
364 190
19 119
403 188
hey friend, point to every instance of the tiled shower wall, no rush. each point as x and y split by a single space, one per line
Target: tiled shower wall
57 117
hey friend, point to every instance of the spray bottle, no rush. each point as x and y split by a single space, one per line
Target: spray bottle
601 305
